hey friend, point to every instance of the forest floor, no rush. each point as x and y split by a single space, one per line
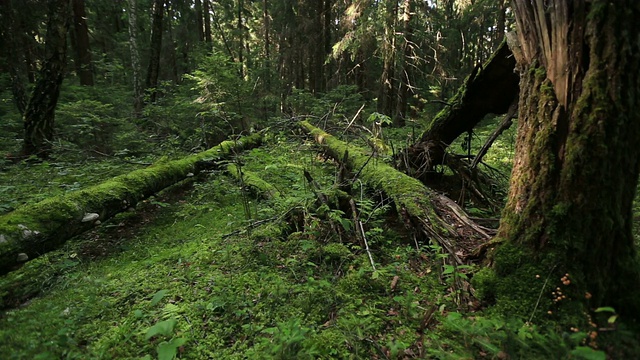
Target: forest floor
203 270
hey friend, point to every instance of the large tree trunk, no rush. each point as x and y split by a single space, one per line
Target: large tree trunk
33 230
83 54
491 88
40 112
156 46
577 161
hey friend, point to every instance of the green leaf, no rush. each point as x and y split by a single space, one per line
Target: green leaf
162 328
606 309
168 350
158 296
587 353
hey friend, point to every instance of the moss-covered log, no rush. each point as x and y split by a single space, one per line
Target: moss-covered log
32 230
440 218
490 89
252 181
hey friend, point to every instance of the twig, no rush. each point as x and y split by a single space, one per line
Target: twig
354 119
541 291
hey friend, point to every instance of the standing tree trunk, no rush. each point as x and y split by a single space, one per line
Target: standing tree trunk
386 95
267 46
40 112
156 46
135 58
577 160
8 30
404 80
207 21
199 22
83 54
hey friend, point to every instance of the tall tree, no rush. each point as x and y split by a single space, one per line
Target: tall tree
8 32
135 58
40 112
153 71
81 36
577 161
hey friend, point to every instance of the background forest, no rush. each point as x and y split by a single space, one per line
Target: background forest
288 250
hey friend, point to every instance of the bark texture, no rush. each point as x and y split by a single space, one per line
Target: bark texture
33 230
40 112
576 168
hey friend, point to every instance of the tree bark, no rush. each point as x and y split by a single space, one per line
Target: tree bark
135 59
404 78
207 20
491 88
199 22
40 112
83 53
153 70
577 161
33 230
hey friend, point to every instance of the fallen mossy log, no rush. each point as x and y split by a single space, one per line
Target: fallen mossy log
253 182
490 89
33 230
437 216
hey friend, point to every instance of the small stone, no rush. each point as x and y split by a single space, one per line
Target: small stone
190 174
88 217
98 222
22 257
22 227
27 233
2 239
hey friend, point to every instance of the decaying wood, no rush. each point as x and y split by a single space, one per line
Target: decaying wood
436 216
490 89
33 230
506 123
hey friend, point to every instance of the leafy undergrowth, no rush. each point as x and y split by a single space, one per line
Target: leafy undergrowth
205 271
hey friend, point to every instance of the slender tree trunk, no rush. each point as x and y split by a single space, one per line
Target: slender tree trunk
267 45
171 47
153 70
135 58
207 21
199 22
577 160
9 28
404 78
240 29
40 112
327 44
83 54
386 95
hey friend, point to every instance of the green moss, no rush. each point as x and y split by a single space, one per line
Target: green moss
58 218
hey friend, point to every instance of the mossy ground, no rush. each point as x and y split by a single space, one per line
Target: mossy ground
256 295
167 279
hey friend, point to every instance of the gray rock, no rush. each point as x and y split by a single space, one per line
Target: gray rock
88 217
